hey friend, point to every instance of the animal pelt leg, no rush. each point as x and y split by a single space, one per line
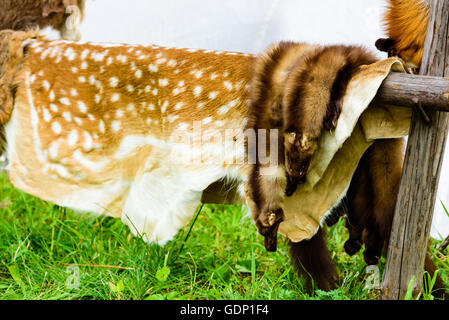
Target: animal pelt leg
312 103
358 207
385 160
371 202
312 260
371 198
269 213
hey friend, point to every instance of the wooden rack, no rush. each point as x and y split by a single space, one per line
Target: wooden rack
428 94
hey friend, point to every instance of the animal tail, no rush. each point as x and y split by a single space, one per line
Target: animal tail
312 260
406 23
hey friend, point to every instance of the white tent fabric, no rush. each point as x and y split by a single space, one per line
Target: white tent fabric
247 26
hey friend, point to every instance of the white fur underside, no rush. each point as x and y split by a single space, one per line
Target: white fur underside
50 33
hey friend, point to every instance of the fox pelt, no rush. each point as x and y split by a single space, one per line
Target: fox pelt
297 89
406 23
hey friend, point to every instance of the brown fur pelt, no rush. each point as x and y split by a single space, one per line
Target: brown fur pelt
312 102
298 89
371 201
29 14
372 198
265 112
311 259
406 25
11 56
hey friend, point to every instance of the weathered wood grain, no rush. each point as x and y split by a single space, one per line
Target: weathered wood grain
405 89
424 156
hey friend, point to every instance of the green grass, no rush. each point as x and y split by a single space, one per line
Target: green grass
43 247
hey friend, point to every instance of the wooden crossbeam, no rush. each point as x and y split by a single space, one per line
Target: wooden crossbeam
422 165
405 90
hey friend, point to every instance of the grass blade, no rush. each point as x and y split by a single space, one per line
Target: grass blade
15 274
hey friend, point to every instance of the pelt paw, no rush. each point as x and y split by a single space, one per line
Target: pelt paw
352 246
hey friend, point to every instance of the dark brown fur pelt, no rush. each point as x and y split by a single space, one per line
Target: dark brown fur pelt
371 200
312 102
369 208
265 112
29 14
312 260
297 89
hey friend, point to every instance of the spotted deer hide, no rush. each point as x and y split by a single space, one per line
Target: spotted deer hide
128 131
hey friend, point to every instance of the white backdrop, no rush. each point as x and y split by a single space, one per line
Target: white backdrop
246 26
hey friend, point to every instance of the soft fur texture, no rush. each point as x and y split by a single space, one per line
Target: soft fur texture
371 200
29 14
265 112
105 137
12 54
297 89
312 102
125 127
313 261
369 209
406 24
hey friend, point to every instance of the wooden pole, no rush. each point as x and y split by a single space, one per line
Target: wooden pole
423 159
401 89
